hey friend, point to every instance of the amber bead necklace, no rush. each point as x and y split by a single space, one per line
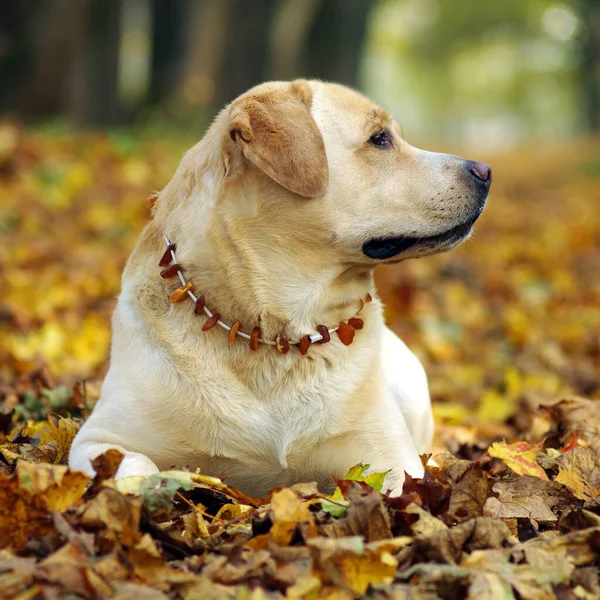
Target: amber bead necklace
171 268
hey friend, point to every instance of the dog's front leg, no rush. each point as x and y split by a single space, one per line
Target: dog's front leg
406 381
388 445
377 436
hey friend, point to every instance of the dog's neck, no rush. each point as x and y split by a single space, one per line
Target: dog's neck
275 278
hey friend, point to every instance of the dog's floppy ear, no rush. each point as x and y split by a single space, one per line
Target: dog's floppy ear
276 132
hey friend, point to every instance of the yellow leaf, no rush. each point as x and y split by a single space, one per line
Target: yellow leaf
231 511
348 563
287 512
57 486
356 473
63 434
494 407
581 489
520 457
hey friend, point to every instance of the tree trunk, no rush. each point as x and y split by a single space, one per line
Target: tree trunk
57 32
589 69
334 47
169 20
206 33
246 48
292 23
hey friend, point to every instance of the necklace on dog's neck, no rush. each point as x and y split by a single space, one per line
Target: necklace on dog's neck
171 268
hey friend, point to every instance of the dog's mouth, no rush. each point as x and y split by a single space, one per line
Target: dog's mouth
386 247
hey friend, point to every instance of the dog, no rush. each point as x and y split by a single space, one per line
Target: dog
248 338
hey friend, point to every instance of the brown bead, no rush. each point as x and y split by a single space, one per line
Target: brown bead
346 333
199 308
166 257
181 292
368 298
356 323
170 271
254 338
233 332
303 345
324 334
282 343
211 322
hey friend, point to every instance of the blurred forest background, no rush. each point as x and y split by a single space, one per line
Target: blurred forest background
487 76
101 97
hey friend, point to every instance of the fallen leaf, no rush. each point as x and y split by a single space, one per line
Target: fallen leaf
357 473
288 511
367 515
348 563
527 497
520 457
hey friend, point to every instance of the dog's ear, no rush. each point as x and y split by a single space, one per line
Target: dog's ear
276 132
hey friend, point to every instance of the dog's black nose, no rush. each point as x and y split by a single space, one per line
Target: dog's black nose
482 171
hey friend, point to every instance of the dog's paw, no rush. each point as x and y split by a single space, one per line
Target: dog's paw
136 464
393 482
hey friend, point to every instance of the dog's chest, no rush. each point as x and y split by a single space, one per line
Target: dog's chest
268 421
268 429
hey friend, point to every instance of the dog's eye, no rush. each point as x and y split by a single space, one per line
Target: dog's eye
381 139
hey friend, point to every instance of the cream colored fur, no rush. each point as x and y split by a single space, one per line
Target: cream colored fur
287 260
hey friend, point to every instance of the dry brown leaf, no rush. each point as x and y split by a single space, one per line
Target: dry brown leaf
527 498
114 516
470 490
367 515
448 545
575 414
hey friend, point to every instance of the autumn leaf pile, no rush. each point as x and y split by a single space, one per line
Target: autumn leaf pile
508 327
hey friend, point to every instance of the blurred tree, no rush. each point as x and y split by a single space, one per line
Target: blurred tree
54 31
589 65
336 42
15 47
292 24
96 100
168 46
245 48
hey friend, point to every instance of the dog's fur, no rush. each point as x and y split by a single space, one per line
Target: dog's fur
270 212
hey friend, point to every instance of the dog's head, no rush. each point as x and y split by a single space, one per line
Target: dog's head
380 198
322 166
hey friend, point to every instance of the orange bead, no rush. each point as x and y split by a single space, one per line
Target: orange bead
199 308
166 258
152 201
346 333
233 332
282 343
303 345
356 323
211 322
368 298
254 338
181 292
170 271
324 334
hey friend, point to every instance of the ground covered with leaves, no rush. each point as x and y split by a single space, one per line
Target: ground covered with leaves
508 327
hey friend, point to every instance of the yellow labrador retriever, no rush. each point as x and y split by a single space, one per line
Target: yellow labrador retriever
248 339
